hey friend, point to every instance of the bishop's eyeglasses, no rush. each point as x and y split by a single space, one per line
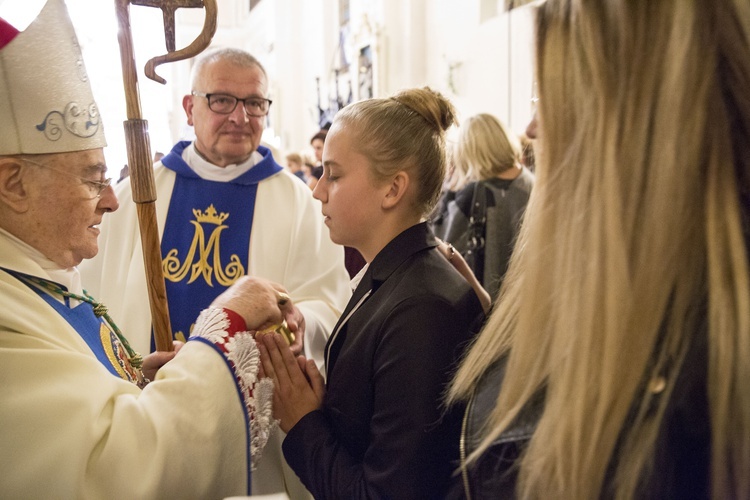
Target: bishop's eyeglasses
225 104
95 188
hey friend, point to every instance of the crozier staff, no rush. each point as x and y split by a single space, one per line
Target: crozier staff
139 149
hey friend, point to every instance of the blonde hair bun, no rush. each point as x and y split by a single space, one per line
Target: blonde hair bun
430 104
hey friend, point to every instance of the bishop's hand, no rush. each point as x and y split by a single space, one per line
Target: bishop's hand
258 301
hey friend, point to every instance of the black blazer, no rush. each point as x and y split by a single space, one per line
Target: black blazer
382 431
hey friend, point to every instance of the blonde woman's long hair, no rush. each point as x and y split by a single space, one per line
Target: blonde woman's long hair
632 245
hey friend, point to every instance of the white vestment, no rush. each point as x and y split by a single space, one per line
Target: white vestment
289 244
71 429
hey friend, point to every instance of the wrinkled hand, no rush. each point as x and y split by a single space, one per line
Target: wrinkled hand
154 361
298 385
257 300
295 322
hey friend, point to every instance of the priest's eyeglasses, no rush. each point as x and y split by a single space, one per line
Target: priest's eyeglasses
225 104
95 188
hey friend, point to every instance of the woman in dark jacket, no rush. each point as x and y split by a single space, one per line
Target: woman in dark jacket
617 361
378 428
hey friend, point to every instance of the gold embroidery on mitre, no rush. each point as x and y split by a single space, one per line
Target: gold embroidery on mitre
196 262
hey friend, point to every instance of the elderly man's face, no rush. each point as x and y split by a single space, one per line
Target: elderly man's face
226 139
64 211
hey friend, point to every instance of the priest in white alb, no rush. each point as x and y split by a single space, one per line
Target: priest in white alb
226 209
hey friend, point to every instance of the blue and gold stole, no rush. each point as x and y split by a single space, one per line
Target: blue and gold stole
102 341
206 239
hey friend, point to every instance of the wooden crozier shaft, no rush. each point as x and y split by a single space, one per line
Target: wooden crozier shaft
139 148
142 182
144 195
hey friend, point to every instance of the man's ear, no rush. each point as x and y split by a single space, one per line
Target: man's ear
187 105
13 184
396 190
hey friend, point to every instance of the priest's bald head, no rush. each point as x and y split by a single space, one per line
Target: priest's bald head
53 193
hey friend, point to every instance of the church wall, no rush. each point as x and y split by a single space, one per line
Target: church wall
469 50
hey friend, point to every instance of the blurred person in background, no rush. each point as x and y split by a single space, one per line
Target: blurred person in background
483 219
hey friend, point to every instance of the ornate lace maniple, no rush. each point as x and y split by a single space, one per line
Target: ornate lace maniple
243 358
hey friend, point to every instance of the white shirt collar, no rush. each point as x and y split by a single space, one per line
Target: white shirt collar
354 283
210 172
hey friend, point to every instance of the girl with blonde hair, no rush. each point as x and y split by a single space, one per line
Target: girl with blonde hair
617 361
377 428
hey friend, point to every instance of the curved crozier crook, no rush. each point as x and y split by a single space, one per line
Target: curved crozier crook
195 48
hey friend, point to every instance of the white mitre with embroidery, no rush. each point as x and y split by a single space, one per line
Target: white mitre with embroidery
46 103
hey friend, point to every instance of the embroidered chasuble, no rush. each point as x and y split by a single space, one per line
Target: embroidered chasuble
205 245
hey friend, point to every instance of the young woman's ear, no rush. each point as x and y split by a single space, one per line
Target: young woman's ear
396 190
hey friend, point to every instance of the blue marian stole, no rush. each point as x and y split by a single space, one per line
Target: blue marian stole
206 239
93 330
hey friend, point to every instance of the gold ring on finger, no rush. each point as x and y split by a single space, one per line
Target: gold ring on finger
283 298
